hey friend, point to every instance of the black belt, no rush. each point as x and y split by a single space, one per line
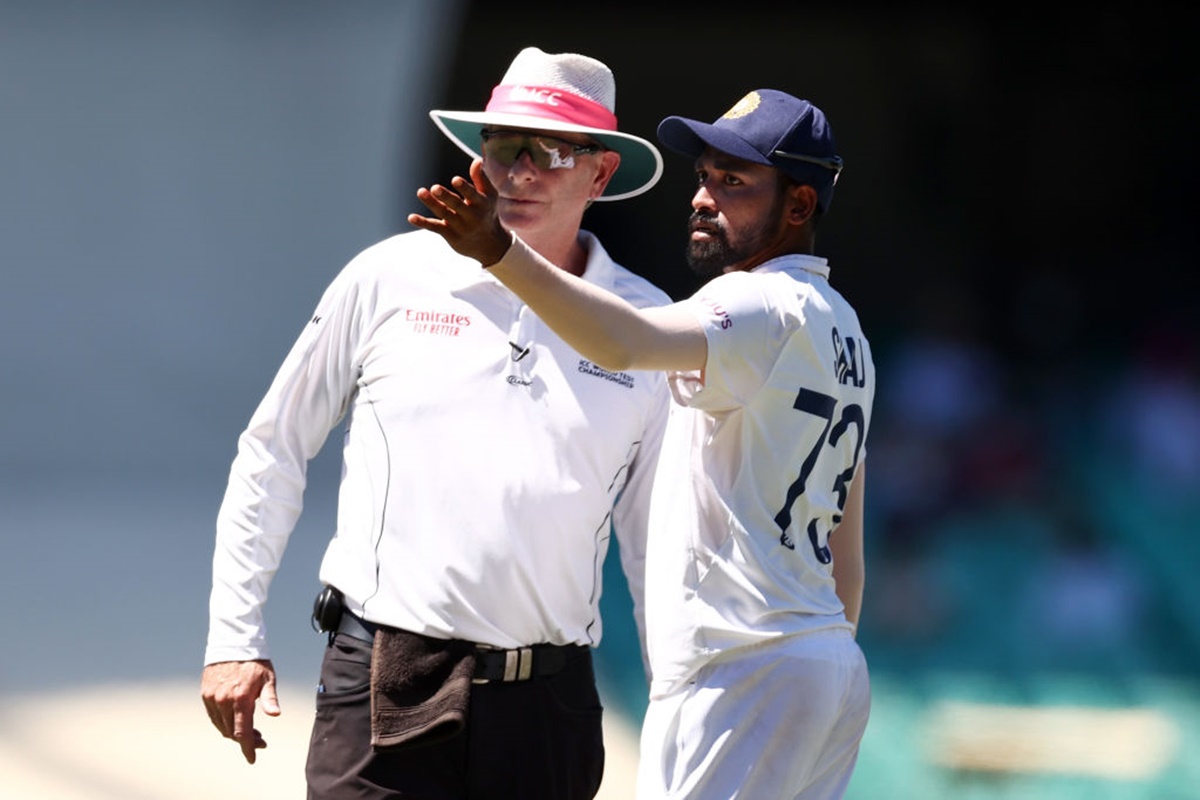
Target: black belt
502 666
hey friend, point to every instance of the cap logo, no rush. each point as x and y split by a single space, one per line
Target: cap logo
744 106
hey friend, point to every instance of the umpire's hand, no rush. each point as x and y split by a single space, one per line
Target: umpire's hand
229 690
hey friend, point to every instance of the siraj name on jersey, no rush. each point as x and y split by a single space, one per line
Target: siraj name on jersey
848 364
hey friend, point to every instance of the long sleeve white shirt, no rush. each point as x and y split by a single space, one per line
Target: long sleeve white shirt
485 462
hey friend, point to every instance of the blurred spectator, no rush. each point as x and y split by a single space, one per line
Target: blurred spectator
936 385
1085 601
909 598
1003 458
941 379
1152 416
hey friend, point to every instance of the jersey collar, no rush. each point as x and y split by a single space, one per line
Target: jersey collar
791 262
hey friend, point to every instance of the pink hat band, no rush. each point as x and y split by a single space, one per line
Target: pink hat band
551 104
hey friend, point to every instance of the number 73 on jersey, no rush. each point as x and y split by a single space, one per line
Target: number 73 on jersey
851 417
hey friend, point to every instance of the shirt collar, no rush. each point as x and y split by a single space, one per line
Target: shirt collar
793 262
599 266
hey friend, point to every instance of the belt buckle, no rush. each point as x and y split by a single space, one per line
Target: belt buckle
518 665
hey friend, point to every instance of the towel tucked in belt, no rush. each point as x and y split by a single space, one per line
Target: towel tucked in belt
420 687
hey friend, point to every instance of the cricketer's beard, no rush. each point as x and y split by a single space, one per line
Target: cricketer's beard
711 256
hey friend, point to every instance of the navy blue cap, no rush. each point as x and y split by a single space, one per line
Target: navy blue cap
768 127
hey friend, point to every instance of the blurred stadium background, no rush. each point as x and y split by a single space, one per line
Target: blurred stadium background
179 181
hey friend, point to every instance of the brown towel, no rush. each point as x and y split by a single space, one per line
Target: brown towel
419 688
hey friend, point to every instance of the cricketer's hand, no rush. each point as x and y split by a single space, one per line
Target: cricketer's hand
465 216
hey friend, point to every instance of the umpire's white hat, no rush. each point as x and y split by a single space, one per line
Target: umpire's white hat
560 92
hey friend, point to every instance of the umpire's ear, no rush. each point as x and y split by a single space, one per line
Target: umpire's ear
609 162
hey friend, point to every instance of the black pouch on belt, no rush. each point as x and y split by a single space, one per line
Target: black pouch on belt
420 688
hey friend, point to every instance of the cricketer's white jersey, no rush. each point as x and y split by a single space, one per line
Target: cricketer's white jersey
755 467
482 458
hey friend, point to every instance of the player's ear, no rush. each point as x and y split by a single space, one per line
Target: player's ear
800 203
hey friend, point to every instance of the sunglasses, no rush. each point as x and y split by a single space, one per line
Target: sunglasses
547 152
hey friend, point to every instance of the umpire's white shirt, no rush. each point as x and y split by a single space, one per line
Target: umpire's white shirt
758 453
482 458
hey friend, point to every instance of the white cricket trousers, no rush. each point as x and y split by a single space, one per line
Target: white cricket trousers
779 720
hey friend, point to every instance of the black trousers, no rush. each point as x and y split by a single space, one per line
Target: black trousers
539 739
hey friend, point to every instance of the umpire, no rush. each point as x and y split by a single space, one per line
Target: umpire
485 464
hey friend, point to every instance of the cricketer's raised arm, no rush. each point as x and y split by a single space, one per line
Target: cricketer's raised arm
603 327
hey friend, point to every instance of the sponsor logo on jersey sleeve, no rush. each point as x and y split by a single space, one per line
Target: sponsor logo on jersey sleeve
724 321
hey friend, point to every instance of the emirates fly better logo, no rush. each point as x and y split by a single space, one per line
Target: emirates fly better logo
436 323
